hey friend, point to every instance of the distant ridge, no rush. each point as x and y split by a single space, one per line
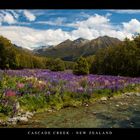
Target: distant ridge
70 50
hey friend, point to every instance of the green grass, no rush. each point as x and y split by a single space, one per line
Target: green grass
3 117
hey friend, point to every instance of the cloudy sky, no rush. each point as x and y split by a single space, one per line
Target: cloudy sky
34 28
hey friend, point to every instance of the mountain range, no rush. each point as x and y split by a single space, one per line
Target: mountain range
71 50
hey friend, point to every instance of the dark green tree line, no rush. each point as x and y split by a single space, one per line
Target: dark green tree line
123 59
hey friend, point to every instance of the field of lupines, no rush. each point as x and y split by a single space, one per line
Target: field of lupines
37 90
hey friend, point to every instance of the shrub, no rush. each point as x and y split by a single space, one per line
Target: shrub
55 101
56 65
32 102
69 65
7 106
81 67
6 110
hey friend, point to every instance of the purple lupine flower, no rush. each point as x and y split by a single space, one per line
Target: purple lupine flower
48 92
72 83
80 90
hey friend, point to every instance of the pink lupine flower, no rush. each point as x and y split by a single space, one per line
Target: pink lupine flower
10 93
20 85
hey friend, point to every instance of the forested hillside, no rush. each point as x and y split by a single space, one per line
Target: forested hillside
14 58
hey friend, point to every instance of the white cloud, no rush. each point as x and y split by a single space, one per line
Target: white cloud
29 38
57 22
92 21
84 33
29 15
14 13
8 18
1 19
83 14
133 26
96 26
108 14
126 11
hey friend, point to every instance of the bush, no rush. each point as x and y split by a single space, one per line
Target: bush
69 65
32 102
7 106
81 67
56 65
